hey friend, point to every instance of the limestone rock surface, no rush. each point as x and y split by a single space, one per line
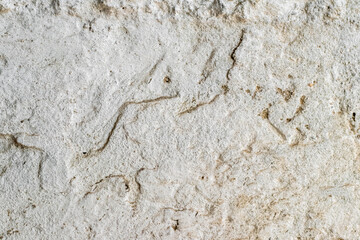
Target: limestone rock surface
179 119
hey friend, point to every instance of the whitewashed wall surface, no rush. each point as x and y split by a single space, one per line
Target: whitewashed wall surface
180 119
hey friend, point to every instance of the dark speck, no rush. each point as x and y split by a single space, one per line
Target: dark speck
167 79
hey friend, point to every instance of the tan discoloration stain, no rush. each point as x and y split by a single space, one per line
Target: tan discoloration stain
225 88
72 12
299 109
242 201
312 84
257 90
105 9
3 10
265 115
287 94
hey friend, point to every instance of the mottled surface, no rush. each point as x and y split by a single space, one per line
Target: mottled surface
179 119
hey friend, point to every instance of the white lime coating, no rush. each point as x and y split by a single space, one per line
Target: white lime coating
179 119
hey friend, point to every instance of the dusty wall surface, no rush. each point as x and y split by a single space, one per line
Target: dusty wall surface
179 119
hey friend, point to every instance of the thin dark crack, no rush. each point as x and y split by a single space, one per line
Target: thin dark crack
136 180
127 136
224 87
95 185
199 105
181 210
208 67
40 167
92 233
148 77
153 69
17 144
233 56
174 209
120 113
137 175
138 188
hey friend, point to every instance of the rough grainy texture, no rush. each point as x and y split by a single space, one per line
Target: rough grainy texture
179 119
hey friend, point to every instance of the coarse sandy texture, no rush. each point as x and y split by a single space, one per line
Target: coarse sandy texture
179 119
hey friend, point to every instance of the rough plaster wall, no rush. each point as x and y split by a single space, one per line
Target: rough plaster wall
179 119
